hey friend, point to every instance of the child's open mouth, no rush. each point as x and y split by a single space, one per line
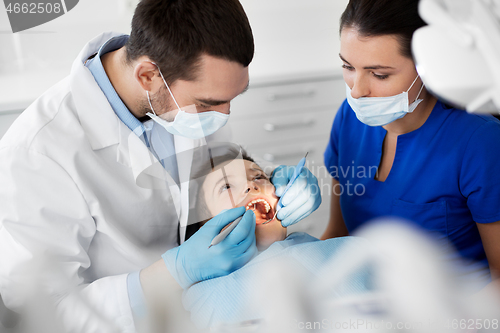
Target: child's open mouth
262 209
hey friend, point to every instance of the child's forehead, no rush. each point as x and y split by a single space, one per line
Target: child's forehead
251 166
248 166
237 166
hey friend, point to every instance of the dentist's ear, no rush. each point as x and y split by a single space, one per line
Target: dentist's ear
145 73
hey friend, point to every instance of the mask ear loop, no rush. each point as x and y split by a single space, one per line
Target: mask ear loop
422 87
150 105
412 84
170 91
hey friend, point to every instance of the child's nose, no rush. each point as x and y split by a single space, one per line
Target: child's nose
252 187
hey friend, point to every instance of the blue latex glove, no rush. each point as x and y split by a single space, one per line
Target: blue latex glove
301 199
193 261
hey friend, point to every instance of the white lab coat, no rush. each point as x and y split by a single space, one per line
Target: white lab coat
76 205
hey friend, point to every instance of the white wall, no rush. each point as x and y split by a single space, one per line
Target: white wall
306 30
290 36
294 35
55 44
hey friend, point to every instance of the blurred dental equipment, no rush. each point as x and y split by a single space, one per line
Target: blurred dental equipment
235 298
413 290
458 53
296 174
220 237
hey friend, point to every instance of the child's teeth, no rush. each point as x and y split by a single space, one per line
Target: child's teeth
253 202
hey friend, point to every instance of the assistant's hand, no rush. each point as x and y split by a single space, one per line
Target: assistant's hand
301 199
193 261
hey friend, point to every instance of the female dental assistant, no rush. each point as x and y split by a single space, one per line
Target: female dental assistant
395 150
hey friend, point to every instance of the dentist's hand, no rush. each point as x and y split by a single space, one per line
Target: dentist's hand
193 261
301 199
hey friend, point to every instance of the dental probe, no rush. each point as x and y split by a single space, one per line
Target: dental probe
223 234
295 175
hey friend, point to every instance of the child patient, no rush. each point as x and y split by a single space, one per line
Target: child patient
232 179
241 182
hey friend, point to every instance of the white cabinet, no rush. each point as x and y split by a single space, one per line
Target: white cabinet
279 121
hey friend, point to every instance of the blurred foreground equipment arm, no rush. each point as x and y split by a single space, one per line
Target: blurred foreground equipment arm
458 53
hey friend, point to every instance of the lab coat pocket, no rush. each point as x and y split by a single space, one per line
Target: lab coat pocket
430 216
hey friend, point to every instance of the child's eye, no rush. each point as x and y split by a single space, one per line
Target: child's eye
260 176
224 188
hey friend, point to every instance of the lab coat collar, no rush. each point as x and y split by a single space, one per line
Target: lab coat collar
149 172
105 129
98 119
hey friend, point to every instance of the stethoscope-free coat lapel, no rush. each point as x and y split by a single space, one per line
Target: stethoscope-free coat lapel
148 172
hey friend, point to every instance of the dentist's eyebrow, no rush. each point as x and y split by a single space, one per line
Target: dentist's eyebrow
367 67
215 102
211 102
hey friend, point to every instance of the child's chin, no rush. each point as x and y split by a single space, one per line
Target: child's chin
261 246
264 242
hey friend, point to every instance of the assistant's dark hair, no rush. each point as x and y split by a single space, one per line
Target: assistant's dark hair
175 33
384 17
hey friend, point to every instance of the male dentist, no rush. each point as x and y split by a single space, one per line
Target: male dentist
80 217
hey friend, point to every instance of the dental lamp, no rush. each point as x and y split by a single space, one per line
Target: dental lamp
458 53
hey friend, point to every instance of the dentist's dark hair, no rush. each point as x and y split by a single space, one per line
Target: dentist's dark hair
384 17
175 33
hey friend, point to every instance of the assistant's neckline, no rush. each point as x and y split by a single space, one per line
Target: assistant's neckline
427 124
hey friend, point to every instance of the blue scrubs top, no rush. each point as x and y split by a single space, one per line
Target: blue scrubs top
445 177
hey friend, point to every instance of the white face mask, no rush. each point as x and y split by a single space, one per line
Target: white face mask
379 111
190 125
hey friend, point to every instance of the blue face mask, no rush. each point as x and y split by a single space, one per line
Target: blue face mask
190 125
379 111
